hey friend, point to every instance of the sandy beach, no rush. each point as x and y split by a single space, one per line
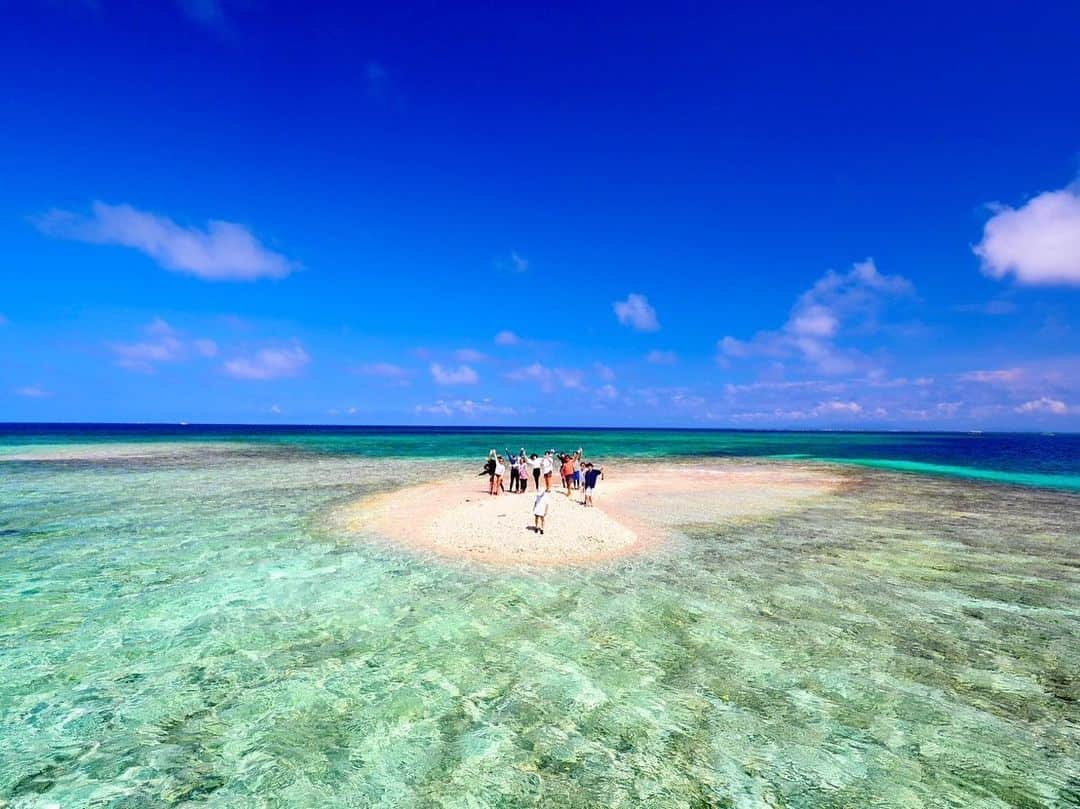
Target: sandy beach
638 508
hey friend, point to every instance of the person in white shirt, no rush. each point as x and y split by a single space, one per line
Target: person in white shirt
540 510
500 468
534 464
547 466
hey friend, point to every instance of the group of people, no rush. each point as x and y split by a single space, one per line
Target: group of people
518 468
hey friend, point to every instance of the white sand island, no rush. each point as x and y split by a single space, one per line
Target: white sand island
637 507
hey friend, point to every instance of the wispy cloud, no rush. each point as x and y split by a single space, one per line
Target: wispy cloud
462 375
605 372
1037 243
827 411
507 338
636 313
1044 405
470 355
515 262
33 392
816 319
386 370
547 379
992 308
162 344
269 363
205 347
657 357
223 251
465 407
998 376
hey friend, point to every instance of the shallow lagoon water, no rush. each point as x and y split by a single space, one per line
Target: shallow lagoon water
184 627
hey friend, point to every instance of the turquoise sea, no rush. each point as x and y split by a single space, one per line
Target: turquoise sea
182 625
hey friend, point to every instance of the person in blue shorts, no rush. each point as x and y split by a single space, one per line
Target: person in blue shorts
592 475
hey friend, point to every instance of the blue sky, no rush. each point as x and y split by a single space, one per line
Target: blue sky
772 215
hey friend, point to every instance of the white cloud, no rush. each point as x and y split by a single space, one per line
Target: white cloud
657 357
831 408
32 392
165 344
144 357
269 363
731 347
465 407
851 408
999 376
1038 243
275 409
636 313
462 375
609 392
507 338
1044 405
224 251
786 387
820 314
469 355
548 378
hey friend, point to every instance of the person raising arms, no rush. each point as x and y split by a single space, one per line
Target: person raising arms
567 472
547 468
592 475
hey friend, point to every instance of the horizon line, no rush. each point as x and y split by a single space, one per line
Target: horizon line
518 428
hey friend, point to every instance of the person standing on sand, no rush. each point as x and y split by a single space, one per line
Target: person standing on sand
499 470
512 461
547 467
489 470
534 465
523 473
567 472
540 510
592 474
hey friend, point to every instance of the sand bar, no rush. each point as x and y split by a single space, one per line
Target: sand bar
638 508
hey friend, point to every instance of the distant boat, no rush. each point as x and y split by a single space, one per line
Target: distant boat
183 424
